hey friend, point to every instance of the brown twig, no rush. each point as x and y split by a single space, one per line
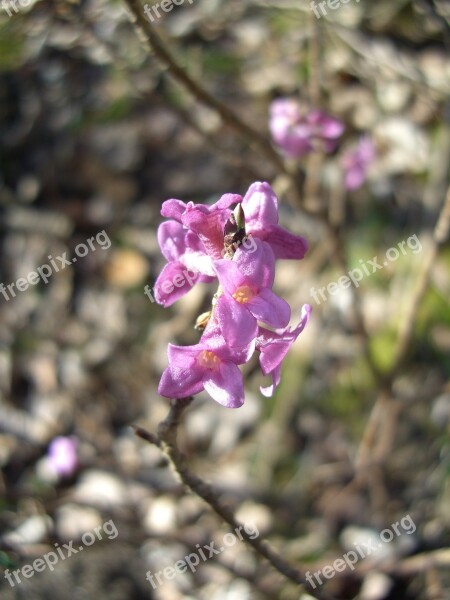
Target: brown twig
316 158
179 74
166 440
314 78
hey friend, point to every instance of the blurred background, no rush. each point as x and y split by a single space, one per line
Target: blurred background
94 136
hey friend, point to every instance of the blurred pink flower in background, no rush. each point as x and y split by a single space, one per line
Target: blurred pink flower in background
356 163
62 456
297 134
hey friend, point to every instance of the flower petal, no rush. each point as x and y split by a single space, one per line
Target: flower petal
173 209
257 264
180 383
329 127
199 262
208 227
226 201
285 244
173 283
225 385
229 275
260 206
172 240
270 389
237 325
273 354
274 346
183 357
212 339
270 309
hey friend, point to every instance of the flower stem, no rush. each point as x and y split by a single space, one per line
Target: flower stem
166 440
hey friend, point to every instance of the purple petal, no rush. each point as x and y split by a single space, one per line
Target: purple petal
199 262
276 378
226 201
356 163
239 355
230 277
329 128
256 264
172 240
173 283
285 107
297 143
260 206
305 314
180 383
289 130
238 326
270 309
285 244
273 354
212 339
208 227
225 385
183 357
275 345
173 209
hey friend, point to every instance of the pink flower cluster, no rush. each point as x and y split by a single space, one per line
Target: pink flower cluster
246 316
297 134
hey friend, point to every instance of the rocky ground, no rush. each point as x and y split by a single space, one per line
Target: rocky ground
93 138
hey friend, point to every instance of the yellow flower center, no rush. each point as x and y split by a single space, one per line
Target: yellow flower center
208 359
243 294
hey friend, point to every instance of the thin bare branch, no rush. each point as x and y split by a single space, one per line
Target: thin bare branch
166 440
181 76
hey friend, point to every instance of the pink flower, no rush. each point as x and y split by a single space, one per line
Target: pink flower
297 134
195 241
62 455
260 206
247 297
207 222
187 264
210 365
356 163
273 347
